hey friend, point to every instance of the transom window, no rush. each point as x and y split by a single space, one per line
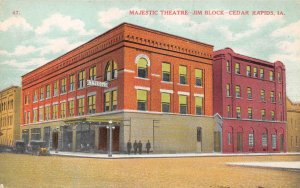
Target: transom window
142 65
111 71
166 72
142 99
199 105
183 104
199 77
165 102
183 74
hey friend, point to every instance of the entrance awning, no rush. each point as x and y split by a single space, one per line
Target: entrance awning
92 119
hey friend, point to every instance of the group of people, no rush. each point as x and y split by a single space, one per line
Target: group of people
137 146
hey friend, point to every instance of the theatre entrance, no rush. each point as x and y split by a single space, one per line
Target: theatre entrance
104 139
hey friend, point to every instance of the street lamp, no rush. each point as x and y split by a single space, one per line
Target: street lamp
154 121
110 127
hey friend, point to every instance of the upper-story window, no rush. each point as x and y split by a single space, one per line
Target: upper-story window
262 95
92 104
165 102
92 73
55 111
199 105
183 104
249 113
279 97
34 119
199 77
80 106
238 112
237 68
272 97
279 76
72 82
48 91
248 71
249 92
142 96
63 85
272 115
111 71
41 114
183 74
255 72
237 91
35 96
263 114
166 72
41 93
228 67
47 113
63 110
71 108
228 90
271 74
111 100
228 111
142 66
81 79
261 73
55 88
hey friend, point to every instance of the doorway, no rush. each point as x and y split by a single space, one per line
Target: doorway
104 139
239 142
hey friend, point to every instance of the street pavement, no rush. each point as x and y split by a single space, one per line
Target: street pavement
288 165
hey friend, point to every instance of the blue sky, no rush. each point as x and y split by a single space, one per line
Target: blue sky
43 30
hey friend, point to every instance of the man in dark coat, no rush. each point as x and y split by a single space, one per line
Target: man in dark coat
140 145
129 146
148 146
135 146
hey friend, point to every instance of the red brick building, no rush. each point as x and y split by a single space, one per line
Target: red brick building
159 89
250 97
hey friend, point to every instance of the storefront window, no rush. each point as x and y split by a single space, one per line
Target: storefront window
85 137
36 134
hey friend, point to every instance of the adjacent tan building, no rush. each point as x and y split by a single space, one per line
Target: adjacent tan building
293 126
10 115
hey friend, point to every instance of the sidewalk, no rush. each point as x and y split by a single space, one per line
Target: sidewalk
178 155
291 165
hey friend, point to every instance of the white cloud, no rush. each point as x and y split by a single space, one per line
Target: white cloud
58 45
15 21
65 23
4 52
262 21
106 18
19 51
29 64
289 30
231 36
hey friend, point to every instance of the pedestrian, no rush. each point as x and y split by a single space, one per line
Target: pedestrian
148 146
135 146
140 145
129 146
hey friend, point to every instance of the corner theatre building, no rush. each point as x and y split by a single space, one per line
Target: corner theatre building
147 84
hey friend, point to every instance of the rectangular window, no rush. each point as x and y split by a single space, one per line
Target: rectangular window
114 99
183 104
249 113
63 110
80 106
55 90
251 139
183 74
63 86
237 68
72 82
142 96
229 138
107 99
272 97
264 140
255 72
55 111
228 66
47 113
279 77
272 115
81 79
142 68
238 112
199 77
36 134
228 90
42 93
274 143
199 105
279 97
248 71
35 96
71 108
249 92
262 95
41 114
271 73
237 91
92 104
34 119
166 72
228 111
165 102
199 134
48 91
261 73
263 114
92 73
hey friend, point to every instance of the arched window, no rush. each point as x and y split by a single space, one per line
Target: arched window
111 71
142 65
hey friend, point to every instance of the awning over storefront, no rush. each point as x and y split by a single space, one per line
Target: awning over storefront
93 119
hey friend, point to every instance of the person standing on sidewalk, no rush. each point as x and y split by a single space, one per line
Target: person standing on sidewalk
148 146
140 145
135 146
129 146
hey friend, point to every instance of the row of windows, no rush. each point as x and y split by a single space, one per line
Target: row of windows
6 121
253 72
250 113
249 93
7 105
264 140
